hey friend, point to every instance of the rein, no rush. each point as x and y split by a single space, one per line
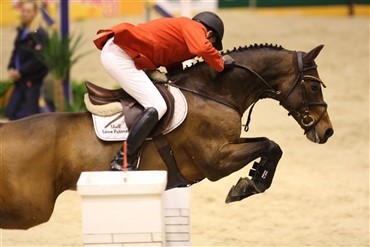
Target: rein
307 120
220 101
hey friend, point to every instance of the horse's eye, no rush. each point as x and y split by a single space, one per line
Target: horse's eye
315 88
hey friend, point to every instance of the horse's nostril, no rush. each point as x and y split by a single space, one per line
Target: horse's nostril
329 132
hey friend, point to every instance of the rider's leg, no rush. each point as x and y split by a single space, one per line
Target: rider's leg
136 83
141 128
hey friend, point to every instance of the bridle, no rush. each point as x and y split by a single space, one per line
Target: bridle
308 122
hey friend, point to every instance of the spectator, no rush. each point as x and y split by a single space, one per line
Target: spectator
24 68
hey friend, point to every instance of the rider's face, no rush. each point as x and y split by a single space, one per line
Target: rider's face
211 37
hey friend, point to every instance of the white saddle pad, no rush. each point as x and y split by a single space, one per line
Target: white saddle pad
118 131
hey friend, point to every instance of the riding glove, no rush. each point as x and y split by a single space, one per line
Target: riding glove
157 76
228 62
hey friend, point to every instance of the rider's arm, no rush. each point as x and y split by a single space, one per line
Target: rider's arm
198 44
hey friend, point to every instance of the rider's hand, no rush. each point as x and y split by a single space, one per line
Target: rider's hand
228 62
157 76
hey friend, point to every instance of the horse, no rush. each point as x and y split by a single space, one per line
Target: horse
43 155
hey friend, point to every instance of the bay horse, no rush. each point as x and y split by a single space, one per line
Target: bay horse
43 155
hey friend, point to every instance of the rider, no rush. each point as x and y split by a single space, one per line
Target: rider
127 50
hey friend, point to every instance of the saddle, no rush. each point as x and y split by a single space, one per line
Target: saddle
131 109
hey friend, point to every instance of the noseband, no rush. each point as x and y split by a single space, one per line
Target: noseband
307 121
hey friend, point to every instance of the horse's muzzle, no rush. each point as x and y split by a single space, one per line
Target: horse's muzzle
328 133
315 136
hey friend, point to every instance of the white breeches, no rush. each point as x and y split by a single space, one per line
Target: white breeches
136 83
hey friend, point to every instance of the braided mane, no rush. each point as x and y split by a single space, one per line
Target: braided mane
244 48
254 47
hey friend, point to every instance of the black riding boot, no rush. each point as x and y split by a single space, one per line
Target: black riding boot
141 128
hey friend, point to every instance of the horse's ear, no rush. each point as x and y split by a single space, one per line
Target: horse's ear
310 56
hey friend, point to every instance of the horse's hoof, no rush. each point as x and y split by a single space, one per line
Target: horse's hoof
243 189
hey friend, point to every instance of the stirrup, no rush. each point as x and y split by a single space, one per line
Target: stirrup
117 162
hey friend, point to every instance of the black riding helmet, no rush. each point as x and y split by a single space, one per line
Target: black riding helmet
213 22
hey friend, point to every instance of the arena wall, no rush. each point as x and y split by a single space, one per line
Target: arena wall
79 10
286 3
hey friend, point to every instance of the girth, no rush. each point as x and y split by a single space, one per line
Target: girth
175 178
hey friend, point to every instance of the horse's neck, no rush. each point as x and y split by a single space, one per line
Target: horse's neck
270 64
240 86
195 77
272 67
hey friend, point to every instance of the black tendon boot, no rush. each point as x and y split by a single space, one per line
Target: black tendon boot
263 172
140 129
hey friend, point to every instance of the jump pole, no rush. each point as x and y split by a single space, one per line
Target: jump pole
162 11
133 212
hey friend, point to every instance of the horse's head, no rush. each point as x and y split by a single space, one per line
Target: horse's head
267 71
303 97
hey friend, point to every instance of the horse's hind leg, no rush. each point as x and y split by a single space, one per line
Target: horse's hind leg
25 202
25 213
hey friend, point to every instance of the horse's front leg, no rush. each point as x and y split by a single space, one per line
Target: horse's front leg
235 156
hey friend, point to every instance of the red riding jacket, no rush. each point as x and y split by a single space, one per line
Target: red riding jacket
163 42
